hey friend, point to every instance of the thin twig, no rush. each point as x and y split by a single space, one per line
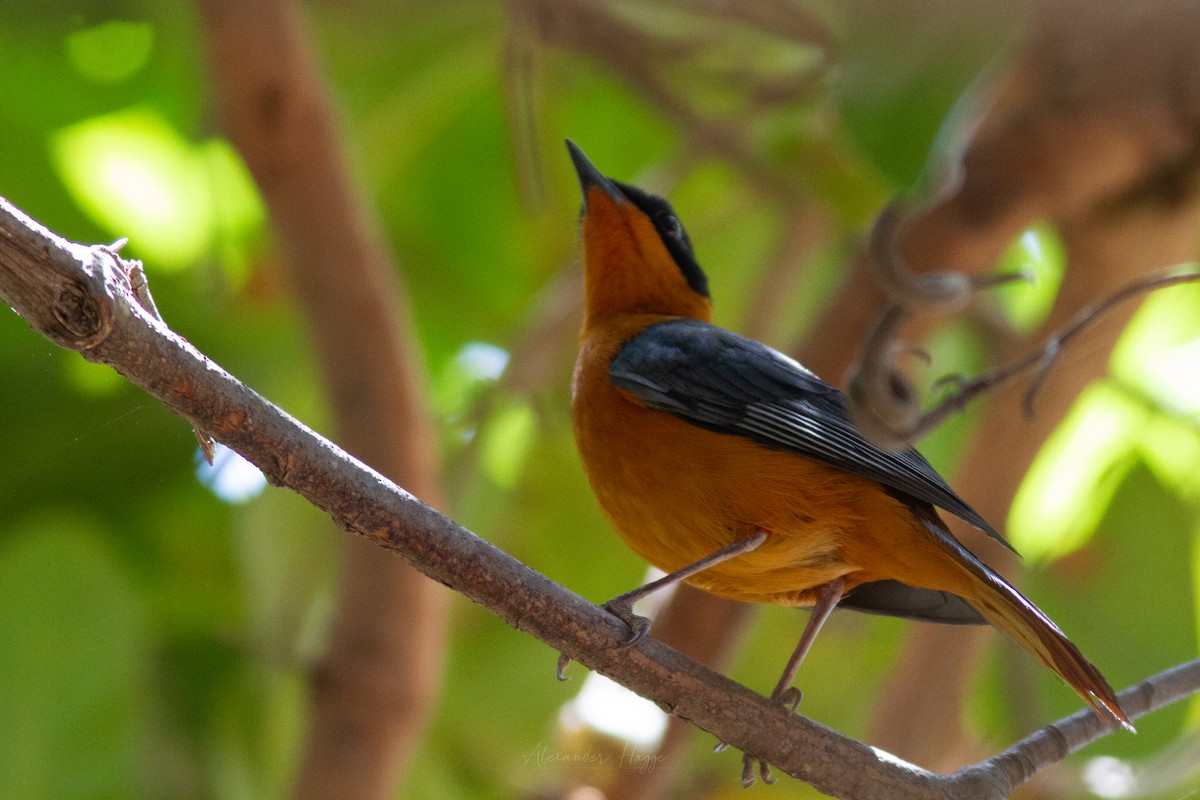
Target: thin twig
1042 359
1016 765
895 425
884 403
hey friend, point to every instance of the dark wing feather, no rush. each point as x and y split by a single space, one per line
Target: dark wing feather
724 382
896 599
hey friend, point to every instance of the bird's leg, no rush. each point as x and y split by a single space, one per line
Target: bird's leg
828 598
785 694
621 606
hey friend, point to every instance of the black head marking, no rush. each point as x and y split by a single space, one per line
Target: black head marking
659 211
671 231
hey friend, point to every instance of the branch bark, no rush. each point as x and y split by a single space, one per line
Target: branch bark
80 298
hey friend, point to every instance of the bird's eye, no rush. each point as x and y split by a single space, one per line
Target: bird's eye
672 226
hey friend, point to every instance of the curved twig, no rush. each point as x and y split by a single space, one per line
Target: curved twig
944 291
1041 360
884 403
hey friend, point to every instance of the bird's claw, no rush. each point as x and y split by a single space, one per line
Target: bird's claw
764 771
748 764
564 661
639 626
789 698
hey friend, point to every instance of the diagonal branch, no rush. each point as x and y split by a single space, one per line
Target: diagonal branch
80 298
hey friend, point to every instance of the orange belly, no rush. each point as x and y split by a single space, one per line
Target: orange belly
677 493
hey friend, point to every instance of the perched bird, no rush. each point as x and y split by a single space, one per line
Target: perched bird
732 467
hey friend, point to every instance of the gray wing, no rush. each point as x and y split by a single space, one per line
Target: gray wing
896 599
718 380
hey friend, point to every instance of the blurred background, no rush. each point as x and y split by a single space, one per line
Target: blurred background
162 621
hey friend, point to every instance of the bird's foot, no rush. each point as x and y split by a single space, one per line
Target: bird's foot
748 764
764 771
788 698
622 609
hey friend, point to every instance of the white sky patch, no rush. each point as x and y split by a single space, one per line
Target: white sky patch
231 478
482 361
612 709
1109 777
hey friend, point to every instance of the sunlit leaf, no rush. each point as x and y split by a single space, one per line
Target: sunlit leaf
112 51
506 441
1171 449
1070 483
1159 352
1039 252
238 215
137 176
140 178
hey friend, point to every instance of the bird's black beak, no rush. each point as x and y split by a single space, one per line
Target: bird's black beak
590 177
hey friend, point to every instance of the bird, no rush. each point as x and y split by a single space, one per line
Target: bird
730 466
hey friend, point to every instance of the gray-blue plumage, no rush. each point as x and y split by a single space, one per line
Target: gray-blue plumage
723 382
716 379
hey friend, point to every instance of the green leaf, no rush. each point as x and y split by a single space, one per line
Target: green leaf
73 667
1068 487
140 178
506 441
1039 253
111 52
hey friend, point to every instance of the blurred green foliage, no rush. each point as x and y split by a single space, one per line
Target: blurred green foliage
155 637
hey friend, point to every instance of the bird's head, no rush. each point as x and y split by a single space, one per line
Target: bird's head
637 256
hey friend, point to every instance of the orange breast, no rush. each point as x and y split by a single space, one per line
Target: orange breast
677 493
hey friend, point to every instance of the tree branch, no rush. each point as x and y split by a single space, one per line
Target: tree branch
80 298
1009 769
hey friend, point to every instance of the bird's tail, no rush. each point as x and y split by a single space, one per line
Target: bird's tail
1012 613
